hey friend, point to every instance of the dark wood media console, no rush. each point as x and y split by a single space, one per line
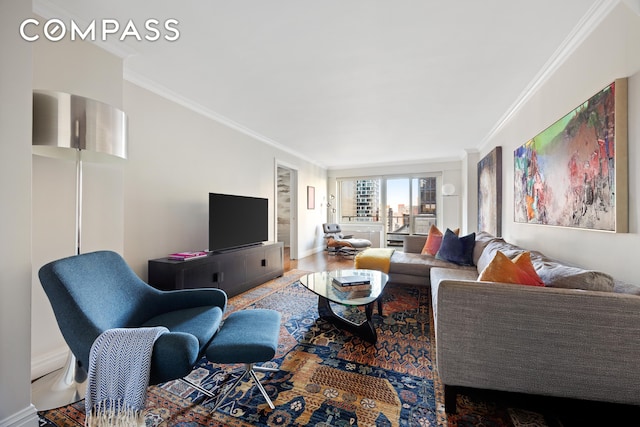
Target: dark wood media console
233 271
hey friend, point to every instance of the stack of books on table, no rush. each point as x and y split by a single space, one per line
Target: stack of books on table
352 283
184 256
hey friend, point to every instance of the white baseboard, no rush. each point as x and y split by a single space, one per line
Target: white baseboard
48 362
28 417
310 252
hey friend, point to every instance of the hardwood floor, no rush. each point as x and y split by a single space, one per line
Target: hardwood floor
320 261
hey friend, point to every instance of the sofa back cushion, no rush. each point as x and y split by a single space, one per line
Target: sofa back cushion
493 246
557 275
553 273
482 240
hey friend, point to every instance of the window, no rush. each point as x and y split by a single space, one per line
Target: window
360 200
411 207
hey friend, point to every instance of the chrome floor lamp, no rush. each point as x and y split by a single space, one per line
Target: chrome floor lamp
71 126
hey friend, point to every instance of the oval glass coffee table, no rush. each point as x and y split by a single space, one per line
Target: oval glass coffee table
322 285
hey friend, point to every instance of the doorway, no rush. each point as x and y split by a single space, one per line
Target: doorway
287 210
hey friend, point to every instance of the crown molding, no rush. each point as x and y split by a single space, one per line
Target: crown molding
152 86
594 16
634 5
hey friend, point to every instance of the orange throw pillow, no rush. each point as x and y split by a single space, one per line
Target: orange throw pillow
434 240
524 262
501 269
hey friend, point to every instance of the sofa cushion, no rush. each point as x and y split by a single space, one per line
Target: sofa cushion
523 261
482 240
493 246
504 270
458 250
413 243
418 265
557 275
434 240
625 288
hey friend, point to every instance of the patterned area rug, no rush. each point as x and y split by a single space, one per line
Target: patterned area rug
327 377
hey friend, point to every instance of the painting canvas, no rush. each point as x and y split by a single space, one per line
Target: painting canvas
490 193
311 197
574 173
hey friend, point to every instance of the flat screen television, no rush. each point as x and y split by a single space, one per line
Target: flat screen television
237 221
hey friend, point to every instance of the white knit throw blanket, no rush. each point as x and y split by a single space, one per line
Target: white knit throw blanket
119 365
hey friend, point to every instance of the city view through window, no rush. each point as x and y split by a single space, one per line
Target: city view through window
410 204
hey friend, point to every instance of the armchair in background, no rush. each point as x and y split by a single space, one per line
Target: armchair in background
340 244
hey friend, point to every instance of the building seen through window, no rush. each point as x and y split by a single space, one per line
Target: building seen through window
409 206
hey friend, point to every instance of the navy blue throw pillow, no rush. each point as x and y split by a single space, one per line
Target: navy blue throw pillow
458 250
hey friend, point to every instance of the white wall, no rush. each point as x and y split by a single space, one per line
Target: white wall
610 52
177 156
15 223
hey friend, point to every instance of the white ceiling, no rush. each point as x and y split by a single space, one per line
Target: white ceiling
348 83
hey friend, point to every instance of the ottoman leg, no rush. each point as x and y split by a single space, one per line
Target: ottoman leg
261 388
249 370
247 337
230 389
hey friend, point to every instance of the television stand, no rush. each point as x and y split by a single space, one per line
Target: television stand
237 248
234 271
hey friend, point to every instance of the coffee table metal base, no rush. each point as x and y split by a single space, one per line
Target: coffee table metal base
364 330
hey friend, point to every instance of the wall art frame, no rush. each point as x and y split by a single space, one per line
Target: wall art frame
311 197
490 192
575 173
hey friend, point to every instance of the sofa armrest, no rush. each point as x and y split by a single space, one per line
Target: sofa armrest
414 243
556 342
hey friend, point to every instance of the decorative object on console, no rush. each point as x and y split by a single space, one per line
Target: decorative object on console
186 256
574 173
69 126
458 250
490 192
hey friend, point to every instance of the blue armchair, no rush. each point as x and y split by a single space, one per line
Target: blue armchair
93 292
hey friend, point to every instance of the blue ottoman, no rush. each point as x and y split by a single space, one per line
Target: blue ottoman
249 337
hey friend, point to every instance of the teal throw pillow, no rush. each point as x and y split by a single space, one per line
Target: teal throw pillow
458 250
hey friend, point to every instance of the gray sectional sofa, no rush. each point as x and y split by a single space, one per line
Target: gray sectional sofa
576 337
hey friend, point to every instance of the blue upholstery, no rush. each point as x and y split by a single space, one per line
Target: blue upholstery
247 336
93 292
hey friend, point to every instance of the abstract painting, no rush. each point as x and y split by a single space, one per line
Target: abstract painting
574 173
490 193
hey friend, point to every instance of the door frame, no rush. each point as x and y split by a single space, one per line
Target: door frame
293 208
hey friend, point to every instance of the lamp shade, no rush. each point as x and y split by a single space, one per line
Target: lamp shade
63 120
